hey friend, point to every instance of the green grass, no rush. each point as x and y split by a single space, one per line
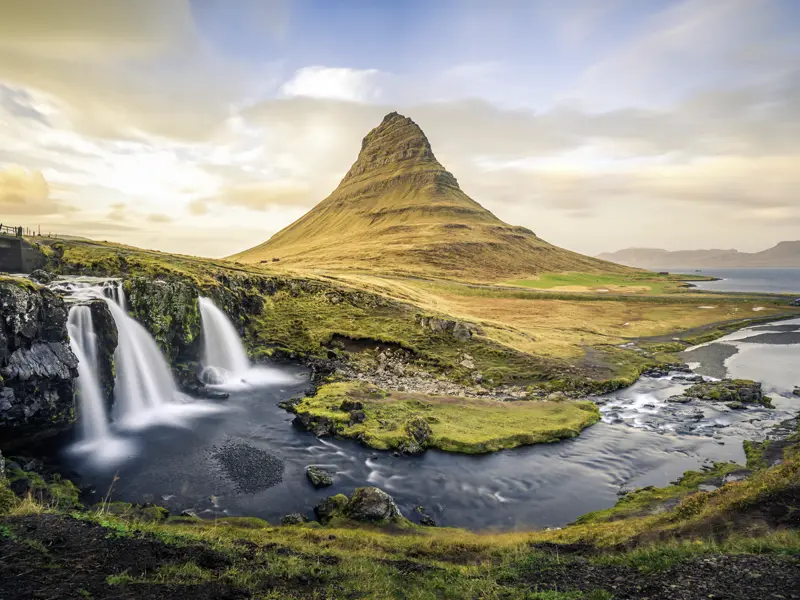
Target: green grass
469 425
620 283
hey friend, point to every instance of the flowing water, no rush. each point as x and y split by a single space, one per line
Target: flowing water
242 456
223 347
92 411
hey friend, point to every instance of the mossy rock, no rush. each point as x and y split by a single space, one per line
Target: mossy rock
138 512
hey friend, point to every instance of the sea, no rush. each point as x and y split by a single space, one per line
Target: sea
746 279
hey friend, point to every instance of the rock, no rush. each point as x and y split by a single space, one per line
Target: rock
351 405
373 505
319 477
212 376
42 276
319 426
679 399
330 507
418 431
37 366
735 405
289 404
427 521
459 330
796 390
728 390
357 416
294 519
189 512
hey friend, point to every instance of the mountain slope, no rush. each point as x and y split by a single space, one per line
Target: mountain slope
783 254
399 211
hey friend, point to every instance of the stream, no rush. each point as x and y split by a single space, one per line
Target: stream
248 460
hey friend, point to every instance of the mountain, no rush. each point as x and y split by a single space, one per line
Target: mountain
784 254
398 210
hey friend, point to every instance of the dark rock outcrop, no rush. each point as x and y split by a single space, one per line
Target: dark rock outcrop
418 431
36 364
729 390
169 311
107 339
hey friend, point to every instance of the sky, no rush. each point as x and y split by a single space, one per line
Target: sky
203 127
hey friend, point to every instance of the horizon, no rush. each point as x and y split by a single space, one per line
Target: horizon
206 127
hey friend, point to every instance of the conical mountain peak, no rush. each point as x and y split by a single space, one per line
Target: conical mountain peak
399 210
395 148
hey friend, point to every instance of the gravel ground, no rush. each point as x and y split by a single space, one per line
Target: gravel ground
250 468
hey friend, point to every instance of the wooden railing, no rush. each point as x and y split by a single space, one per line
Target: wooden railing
24 231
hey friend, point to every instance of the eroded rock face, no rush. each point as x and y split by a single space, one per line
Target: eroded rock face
459 330
168 310
36 363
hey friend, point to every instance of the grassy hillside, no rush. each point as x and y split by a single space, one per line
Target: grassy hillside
398 211
521 335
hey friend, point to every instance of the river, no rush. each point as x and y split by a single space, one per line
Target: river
224 464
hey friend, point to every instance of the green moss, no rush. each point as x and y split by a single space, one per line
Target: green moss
652 500
754 451
8 500
57 493
468 425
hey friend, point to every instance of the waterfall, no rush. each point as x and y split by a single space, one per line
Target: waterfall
226 364
92 410
144 385
223 348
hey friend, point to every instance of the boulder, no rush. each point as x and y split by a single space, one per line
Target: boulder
330 507
42 276
418 432
735 405
294 519
796 390
357 416
679 399
319 477
373 505
350 405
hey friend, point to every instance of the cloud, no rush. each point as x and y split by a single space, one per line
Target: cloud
25 193
159 218
119 69
355 85
258 196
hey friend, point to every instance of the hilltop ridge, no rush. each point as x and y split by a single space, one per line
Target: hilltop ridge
398 210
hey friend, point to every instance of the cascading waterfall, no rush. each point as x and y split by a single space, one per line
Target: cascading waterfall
226 364
144 385
92 410
223 347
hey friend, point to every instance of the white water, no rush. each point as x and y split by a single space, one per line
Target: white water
144 384
97 441
223 348
226 364
92 410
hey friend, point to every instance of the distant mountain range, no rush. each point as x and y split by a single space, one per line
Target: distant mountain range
784 254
